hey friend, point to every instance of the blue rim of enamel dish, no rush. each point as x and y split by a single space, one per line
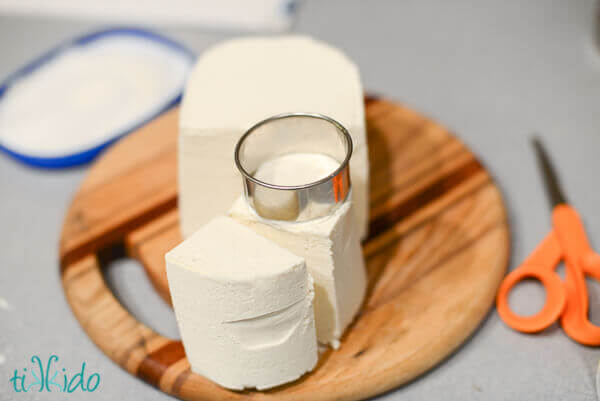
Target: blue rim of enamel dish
89 154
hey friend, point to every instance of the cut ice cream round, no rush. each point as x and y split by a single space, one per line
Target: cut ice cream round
244 307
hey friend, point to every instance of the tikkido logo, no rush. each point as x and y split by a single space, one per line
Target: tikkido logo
49 377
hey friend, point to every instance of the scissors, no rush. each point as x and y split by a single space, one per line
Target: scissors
567 241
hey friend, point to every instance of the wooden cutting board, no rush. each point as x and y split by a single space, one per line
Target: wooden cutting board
437 250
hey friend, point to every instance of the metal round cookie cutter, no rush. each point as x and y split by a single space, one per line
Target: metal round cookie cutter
294 133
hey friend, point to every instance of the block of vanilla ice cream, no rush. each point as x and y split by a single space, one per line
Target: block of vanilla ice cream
330 246
243 81
244 307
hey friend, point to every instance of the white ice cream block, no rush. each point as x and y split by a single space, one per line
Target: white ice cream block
244 306
331 248
240 82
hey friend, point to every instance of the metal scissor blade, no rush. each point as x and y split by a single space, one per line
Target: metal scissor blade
553 188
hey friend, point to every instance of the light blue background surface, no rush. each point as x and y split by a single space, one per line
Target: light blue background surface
491 71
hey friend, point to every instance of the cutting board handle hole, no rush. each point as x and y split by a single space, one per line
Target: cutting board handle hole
126 279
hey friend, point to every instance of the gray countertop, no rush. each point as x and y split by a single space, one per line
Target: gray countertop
491 71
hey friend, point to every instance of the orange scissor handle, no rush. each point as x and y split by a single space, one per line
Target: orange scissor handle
580 260
539 265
